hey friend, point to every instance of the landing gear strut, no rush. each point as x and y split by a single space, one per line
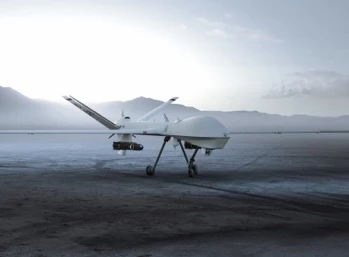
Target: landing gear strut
151 169
192 167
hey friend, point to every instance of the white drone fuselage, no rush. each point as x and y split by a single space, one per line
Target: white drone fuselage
203 131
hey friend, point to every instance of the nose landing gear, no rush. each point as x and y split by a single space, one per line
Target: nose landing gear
192 170
192 167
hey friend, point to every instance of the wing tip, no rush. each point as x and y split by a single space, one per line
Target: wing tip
173 99
66 97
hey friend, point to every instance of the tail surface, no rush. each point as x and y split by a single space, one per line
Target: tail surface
157 110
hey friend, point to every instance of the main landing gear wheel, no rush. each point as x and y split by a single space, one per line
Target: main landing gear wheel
192 170
195 169
150 170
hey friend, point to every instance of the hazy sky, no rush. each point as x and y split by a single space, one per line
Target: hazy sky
275 56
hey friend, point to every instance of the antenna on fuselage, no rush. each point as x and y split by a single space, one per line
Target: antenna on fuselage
166 118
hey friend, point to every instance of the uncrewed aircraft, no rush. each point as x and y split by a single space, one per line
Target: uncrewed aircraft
200 132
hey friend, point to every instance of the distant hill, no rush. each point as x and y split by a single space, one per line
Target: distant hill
11 98
139 106
20 112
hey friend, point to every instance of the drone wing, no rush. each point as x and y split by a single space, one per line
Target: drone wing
107 123
151 132
287 132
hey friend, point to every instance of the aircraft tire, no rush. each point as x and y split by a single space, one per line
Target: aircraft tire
195 169
150 170
190 172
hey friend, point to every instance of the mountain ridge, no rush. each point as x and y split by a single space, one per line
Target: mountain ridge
20 112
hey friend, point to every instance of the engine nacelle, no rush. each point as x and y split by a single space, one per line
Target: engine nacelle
190 146
127 146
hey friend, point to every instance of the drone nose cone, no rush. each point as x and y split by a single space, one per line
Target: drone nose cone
200 126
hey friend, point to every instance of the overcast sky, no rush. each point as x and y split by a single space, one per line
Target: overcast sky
287 57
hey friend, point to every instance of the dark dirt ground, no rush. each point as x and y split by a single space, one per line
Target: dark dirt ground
262 196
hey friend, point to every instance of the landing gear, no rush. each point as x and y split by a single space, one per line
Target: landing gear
192 167
151 169
195 169
190 172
